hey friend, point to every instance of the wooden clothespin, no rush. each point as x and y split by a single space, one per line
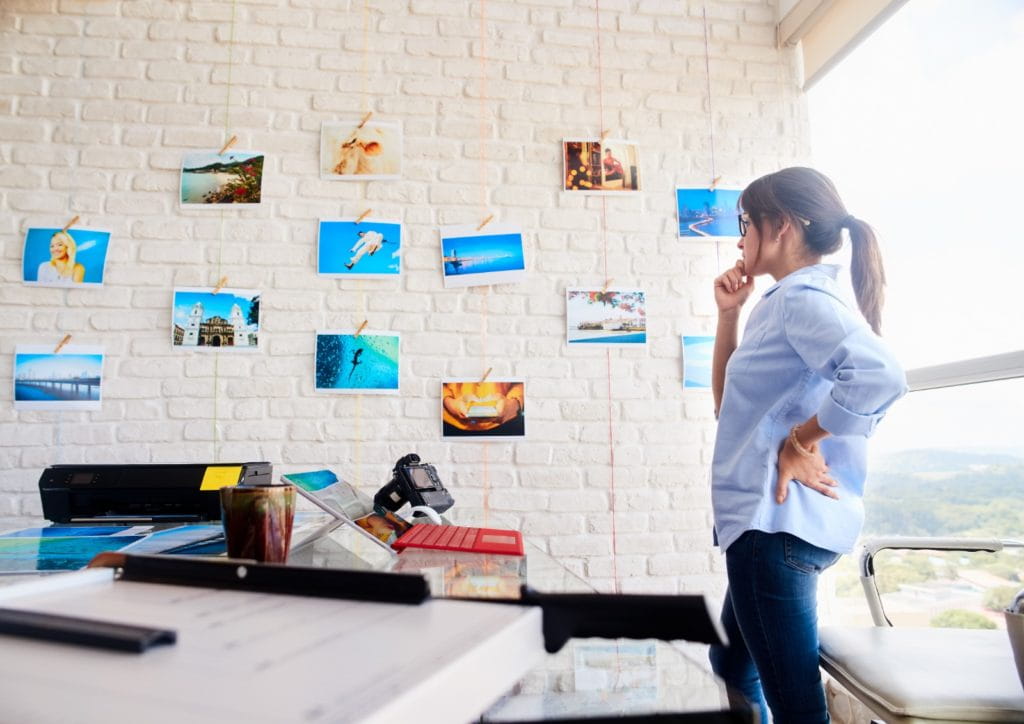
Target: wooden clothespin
365 119
714 182
484 378
229 144
220 284
364 215
67 338
70 223
607 283
604 134
361 328
485 222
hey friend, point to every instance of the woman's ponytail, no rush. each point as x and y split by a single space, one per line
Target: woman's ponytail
867 271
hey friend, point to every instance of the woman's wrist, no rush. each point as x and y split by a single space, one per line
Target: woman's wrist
794 440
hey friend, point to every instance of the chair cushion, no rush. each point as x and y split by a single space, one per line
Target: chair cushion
931 673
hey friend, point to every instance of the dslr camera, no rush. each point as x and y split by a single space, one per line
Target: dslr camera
415 483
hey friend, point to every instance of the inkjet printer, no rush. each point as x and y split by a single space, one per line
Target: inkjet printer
150 493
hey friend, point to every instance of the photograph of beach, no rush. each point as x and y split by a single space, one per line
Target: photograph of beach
360 364
359 250
351 153
591 166
55 257
205 319
471 258
606 317
234 177
69 380
697 354
708 213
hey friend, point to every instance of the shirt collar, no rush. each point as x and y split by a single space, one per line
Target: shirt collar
830 270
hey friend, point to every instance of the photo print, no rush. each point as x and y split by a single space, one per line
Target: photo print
600 167
205 320
69 380
365 364
606 317
364 250
58 258
471 258
232 177
488 410
350 153
708 213
697 353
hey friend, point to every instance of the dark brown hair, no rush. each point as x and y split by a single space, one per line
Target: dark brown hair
809 201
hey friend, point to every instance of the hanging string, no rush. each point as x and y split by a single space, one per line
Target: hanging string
220 243
604 253
482 165
707 74
360 289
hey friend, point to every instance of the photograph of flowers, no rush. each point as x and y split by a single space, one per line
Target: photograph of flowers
234 177
616 317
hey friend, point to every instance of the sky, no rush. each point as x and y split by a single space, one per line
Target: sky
57 366
919 128
214 305
198 159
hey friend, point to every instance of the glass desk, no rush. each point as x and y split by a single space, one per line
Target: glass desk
588 678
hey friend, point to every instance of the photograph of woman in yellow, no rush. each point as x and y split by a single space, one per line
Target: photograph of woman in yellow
62 267
65 257
493 409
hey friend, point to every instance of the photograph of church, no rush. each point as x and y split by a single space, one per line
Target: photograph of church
226 318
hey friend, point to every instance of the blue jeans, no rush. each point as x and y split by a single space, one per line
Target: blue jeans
770 615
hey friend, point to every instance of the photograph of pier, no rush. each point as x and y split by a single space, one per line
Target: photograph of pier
708 213
69 380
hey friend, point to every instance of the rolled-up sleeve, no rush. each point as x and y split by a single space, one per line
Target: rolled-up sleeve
835 342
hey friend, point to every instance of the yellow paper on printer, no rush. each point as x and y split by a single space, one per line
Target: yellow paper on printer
220 476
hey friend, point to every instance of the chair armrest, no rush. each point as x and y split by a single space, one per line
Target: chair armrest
871 546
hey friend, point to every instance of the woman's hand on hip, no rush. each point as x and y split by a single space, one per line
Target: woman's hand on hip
733 288
809 470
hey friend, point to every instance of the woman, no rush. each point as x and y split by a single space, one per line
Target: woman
796 402
61 268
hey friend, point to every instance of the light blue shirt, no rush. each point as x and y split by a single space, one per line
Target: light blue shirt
806 351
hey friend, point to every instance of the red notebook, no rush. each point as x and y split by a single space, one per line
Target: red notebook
462 538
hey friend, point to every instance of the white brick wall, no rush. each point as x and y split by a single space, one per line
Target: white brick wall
98 101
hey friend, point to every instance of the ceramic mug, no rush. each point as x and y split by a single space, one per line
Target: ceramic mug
258 521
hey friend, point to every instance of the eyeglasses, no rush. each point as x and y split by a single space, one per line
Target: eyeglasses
744 224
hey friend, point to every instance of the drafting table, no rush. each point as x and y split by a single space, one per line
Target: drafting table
263 658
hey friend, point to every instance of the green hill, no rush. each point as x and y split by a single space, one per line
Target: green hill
924 492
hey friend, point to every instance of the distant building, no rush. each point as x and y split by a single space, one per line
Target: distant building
216 331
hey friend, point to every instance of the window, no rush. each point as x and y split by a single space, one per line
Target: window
918 128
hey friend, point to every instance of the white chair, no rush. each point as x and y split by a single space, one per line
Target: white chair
924 675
